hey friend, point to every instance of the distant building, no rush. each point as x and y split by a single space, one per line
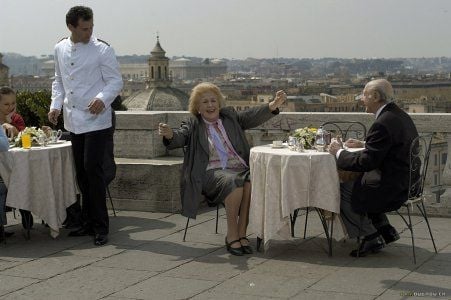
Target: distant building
31 83
4 73
158 95
185 69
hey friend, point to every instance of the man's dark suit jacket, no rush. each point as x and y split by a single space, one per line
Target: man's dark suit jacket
386 150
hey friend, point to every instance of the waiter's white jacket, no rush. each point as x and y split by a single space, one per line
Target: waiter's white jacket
84 72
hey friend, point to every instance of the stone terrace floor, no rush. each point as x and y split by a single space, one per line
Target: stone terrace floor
146 259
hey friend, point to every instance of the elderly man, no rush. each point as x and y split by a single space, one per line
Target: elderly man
384 164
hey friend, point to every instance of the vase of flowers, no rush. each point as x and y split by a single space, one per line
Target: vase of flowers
306 137
36 135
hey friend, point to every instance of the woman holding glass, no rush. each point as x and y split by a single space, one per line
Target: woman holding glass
216 162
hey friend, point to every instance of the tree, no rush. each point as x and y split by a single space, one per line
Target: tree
34 106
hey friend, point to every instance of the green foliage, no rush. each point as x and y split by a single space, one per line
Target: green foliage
34 106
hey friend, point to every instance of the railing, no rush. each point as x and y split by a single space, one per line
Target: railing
137 137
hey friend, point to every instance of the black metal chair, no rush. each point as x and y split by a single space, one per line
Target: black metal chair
419 161
216 228
109 165
346 130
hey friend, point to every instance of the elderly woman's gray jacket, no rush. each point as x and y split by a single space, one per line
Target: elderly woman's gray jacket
192 135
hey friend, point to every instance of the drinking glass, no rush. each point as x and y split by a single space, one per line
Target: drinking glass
26 141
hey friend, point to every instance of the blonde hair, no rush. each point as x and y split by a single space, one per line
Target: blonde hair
197 93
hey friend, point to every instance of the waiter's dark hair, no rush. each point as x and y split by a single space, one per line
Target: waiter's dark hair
78 12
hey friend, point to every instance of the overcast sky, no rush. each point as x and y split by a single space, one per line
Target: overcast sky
240 28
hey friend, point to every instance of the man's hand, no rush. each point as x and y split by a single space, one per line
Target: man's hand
96 106
53 116
353 143
335 145
165 130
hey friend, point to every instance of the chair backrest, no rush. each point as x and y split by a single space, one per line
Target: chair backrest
420 149
346 129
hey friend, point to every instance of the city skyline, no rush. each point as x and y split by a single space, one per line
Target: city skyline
240 29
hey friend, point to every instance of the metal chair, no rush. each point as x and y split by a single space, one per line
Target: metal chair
346 130
216 228
420 150
109 165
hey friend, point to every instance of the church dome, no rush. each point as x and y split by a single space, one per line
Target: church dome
158 99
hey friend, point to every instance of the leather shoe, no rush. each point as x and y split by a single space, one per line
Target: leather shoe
82 232
389 234
367 246
234 251
100 239
246 248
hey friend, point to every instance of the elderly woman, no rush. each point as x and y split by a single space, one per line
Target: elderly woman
216 162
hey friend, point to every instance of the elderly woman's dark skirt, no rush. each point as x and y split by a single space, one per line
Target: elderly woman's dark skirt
219 183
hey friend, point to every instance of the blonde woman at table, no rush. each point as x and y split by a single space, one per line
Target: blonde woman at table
4 146
216 162
12 123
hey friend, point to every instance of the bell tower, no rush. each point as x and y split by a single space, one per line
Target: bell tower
158 67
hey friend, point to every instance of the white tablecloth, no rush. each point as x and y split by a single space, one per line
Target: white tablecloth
283 180
41 180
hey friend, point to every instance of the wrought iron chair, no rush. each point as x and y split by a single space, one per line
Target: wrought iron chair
216 228
419 161
346 130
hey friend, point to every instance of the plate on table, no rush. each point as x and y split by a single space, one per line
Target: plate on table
57 142
279 146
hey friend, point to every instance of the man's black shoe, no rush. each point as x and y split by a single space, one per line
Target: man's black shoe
82 232
100 239
389 234
373 245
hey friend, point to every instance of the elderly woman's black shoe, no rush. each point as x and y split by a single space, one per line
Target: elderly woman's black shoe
246 248
234 251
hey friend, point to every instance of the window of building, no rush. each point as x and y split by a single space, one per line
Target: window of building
436 179
444 157
435 160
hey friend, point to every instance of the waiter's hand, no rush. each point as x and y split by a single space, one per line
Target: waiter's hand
53 116
96 106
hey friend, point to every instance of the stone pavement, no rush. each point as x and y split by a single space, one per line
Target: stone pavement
146 259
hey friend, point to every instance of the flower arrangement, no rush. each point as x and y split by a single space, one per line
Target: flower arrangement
306 137
34 134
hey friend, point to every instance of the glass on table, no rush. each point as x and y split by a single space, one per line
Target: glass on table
26 141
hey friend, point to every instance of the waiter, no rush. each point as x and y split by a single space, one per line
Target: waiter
87 79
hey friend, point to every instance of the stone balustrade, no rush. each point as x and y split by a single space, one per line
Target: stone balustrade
148 175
